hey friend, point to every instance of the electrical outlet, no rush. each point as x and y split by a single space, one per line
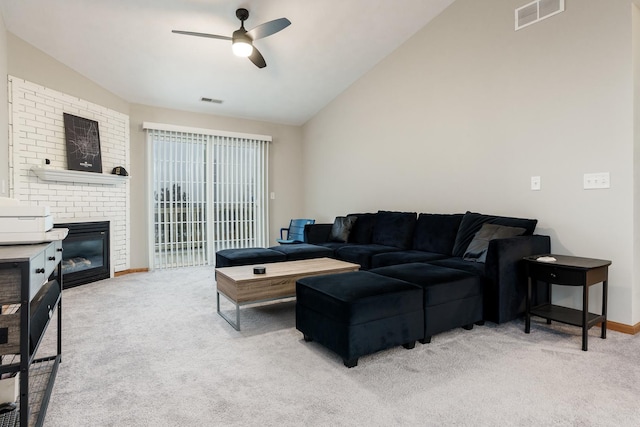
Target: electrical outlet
535 183
595 181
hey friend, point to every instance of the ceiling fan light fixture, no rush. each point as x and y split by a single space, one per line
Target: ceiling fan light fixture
242 48
242 40
241 43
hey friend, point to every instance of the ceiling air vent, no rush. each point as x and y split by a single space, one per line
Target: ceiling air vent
212 100
536 11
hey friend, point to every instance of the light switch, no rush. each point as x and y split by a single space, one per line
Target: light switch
535 183
595 181
272 196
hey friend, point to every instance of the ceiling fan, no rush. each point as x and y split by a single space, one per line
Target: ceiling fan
242 40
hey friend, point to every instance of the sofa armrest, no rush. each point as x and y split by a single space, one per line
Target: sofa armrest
506 290
317 233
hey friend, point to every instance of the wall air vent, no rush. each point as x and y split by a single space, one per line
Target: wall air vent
536 11
214 101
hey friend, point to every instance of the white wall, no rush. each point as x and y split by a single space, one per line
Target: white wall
30 63
463 114
4 114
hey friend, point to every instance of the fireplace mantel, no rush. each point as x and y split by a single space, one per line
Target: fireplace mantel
49 174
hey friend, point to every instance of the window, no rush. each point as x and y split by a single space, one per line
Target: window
208 192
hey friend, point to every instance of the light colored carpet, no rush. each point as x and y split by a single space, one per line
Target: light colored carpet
148 349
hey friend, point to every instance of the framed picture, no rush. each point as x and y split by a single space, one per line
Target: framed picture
83 144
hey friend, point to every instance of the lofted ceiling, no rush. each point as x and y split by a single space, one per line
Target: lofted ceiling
127 47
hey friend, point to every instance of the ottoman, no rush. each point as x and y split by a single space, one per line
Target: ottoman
247 256
298 251
452 298
359 313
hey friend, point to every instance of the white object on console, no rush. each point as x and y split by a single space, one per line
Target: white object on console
7 201
23 238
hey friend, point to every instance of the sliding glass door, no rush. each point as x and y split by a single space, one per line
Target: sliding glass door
208 193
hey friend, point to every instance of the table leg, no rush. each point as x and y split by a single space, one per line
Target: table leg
527 319
236 324
603 332
549 288
585 311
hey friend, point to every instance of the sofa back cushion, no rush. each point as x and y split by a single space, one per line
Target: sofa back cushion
472 222
436 232
394 229
362 228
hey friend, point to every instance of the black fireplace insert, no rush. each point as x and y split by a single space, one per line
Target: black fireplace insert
85 253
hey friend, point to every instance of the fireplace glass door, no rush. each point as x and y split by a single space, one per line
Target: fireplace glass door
85 253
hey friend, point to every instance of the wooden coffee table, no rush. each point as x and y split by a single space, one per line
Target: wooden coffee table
242 287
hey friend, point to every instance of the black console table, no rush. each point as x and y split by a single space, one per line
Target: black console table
30 293
569 271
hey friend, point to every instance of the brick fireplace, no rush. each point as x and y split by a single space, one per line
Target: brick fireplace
37 133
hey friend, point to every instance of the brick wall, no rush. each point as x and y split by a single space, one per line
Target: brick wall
37 133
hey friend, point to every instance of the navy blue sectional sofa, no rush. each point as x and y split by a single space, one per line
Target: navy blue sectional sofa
387 238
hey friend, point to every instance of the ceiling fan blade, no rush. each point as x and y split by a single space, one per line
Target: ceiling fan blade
257 58
211 36
268 28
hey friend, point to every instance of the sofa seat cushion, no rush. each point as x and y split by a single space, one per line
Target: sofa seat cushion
334 246
303 251
441 284
456 263
403 257
394 229
358 297
361 254
247 256
436 232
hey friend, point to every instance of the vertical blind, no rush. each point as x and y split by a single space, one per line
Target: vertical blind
209 192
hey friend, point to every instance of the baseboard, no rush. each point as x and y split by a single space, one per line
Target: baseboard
131 270
621 327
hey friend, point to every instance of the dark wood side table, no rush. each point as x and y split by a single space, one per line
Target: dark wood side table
569 271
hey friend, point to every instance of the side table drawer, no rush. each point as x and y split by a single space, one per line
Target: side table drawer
556 275
37 269
53 255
